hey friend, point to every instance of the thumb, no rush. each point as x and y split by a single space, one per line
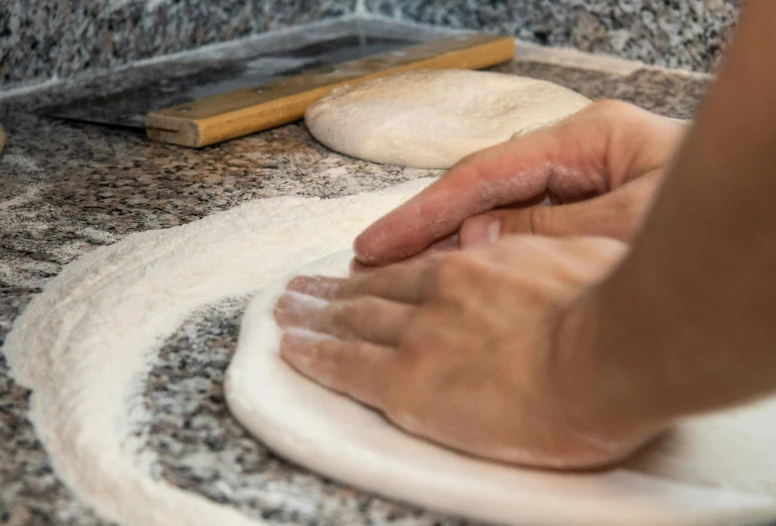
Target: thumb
617 214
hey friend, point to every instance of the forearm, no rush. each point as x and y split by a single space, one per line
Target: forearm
688 322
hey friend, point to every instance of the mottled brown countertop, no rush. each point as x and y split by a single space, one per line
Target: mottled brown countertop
67 188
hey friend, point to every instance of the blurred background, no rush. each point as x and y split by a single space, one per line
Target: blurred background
42 40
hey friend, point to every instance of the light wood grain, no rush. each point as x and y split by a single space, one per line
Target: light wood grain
222 117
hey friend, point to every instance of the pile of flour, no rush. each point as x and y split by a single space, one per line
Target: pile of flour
84 345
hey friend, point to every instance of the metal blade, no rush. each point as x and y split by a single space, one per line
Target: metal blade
129 108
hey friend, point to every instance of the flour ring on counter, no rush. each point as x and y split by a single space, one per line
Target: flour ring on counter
711 471
84 345
432 119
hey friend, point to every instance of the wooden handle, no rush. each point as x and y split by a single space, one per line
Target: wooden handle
222 117
2 139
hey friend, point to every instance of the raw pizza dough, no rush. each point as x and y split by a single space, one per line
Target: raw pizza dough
431 119
712 471
84 345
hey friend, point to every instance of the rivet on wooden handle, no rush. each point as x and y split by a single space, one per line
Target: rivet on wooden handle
222 117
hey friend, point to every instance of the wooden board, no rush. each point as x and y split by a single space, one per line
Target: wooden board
222 117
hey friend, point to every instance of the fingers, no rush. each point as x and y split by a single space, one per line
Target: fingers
343 333
600 148
506 173
366 318
617 214
402 283
320 287
356 368
448 244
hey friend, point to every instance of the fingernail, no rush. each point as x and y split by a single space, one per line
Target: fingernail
362 246
293 307
479 231
317 286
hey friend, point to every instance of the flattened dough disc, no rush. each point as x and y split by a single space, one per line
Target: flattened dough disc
431 119
718 470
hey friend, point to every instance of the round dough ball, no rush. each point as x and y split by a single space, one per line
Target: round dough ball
432 119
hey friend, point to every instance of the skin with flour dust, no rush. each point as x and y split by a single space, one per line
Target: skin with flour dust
580 348
609 334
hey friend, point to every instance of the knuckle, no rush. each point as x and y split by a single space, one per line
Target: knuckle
608 111
348 288
348 314
448 272
343 357
413 337
415 354
342 317
325 350
453 266
326 363
421 352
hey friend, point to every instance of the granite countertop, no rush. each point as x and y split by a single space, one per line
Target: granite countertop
42 39
67 188
689 34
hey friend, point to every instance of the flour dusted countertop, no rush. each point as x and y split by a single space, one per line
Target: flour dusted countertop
67 188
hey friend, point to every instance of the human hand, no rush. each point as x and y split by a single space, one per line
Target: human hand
463 349
600 166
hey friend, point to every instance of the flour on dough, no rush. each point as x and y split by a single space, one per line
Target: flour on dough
713 471
431 119
83 345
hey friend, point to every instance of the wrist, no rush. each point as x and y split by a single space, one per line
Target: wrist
607 384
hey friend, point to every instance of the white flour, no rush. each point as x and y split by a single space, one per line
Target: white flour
84 344
714 470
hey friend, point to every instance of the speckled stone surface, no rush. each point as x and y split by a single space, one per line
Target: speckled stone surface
45 39
42 39
68 188
687 34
